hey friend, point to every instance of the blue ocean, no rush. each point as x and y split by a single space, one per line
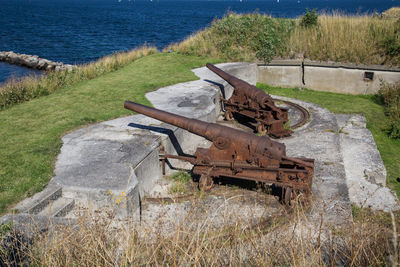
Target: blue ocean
78 31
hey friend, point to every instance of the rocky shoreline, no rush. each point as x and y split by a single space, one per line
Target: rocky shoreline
33 62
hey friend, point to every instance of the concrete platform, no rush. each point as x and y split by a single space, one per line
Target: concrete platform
112 165
365 171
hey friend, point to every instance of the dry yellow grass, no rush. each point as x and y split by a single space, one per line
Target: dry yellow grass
393 12
291 240
360 39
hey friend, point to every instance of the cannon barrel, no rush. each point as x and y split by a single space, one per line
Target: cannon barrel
250 90
213 131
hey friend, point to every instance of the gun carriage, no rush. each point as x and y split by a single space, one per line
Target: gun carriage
253 103
237 154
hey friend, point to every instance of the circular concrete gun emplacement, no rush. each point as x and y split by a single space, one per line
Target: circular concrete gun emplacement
115 165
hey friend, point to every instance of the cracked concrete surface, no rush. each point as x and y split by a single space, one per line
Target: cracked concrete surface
365 171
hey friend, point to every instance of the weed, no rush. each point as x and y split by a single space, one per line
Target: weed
286 125
180 183
310 19
181 176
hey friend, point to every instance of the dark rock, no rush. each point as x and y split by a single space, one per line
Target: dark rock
33 61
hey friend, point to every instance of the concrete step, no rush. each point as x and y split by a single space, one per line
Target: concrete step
58 208
48 196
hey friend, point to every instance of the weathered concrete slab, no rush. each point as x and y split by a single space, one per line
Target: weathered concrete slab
365 171
319 140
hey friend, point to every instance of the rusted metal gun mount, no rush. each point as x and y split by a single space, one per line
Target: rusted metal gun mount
255 104
237 154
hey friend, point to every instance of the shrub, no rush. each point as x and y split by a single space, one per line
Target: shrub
309 19
390 42
240 37
390 95
261 35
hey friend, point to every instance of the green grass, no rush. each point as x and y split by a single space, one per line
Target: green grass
31 132
23 89
180 183
366 105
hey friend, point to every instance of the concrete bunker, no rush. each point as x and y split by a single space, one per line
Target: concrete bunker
115 164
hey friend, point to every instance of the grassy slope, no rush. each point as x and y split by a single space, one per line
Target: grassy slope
31 132
361 104
243 37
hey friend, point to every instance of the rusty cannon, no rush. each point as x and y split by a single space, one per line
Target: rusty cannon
237 154
253 103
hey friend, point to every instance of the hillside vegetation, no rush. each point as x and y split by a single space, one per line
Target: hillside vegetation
357 39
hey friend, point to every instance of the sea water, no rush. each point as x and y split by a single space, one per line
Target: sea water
78 31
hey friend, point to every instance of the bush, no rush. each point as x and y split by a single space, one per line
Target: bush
259 34
240 37
390 95
309 19
390 42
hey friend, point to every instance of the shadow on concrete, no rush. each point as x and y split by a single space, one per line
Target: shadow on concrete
220 85
168 163
161 130
250 185
246 121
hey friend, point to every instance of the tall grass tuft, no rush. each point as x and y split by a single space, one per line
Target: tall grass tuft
23 89
361 39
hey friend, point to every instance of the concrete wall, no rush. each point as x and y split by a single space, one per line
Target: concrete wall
331 77
281 73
